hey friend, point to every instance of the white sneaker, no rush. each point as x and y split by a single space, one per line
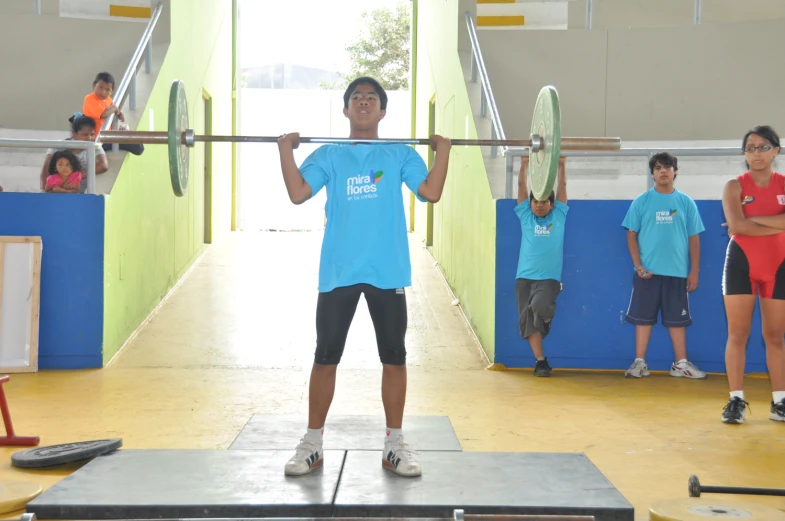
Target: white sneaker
401 459
686 369
307 457
638 369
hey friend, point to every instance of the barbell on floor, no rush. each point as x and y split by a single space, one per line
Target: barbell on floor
545 140
696 489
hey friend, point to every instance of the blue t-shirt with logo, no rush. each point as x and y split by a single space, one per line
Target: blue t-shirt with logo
664 223
365 238
542 242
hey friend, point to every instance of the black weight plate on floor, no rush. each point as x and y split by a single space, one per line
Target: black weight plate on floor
53 455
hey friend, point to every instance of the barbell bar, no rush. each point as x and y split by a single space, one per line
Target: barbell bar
545 141
189 139
696 489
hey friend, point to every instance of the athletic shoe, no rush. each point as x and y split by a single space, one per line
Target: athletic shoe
733 412
307 456
541 368
685 369
401 459
778 411
638 369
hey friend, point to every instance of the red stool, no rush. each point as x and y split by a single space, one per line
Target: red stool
10 438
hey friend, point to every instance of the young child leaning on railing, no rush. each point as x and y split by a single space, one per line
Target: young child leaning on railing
99 106
64 173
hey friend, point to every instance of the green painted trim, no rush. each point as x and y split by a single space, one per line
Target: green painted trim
413 66
152 237
413 90
431 159
235 28
464 242
207 99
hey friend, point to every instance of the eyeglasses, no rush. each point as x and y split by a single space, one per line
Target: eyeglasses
762 148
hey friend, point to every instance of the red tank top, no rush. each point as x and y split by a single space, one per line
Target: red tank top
757 201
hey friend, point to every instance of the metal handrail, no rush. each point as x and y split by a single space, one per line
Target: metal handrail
514 152
90 146
485 80
627 152
121 93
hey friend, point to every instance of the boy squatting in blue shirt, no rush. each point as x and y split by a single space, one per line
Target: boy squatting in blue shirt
538 279
365 251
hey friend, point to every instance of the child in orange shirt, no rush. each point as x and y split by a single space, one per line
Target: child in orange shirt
64 173
98 105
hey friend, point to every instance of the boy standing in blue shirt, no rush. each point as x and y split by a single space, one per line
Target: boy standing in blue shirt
365 251
663 227
538 279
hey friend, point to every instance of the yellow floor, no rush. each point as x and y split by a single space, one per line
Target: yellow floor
227 345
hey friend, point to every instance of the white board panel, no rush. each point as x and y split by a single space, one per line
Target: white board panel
19 304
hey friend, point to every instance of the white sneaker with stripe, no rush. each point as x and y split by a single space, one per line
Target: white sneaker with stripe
307 456
686 369
401 459
638 369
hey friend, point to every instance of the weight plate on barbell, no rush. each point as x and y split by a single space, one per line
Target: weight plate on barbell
546 123
694 486
179 155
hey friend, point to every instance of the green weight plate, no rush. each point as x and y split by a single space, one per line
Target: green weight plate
179 156
546 123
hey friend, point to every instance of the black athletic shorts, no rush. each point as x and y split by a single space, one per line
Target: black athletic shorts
659 294
335 311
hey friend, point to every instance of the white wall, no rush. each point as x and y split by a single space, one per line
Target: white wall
48 7
49 64
694 83
653 13
264 203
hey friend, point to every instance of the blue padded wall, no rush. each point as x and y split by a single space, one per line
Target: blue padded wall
71 228
589 330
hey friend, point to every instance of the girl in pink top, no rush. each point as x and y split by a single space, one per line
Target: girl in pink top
64 173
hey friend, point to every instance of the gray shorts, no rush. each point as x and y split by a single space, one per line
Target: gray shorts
536 305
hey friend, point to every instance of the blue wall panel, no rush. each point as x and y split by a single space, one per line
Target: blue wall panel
71 228
589 330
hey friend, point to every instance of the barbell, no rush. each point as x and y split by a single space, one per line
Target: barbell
696 489
545 141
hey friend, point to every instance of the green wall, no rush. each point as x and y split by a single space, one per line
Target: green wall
464 221
152 237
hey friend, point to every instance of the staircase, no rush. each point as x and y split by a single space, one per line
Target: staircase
39 108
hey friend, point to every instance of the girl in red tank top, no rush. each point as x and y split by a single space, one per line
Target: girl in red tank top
754 206
764 252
